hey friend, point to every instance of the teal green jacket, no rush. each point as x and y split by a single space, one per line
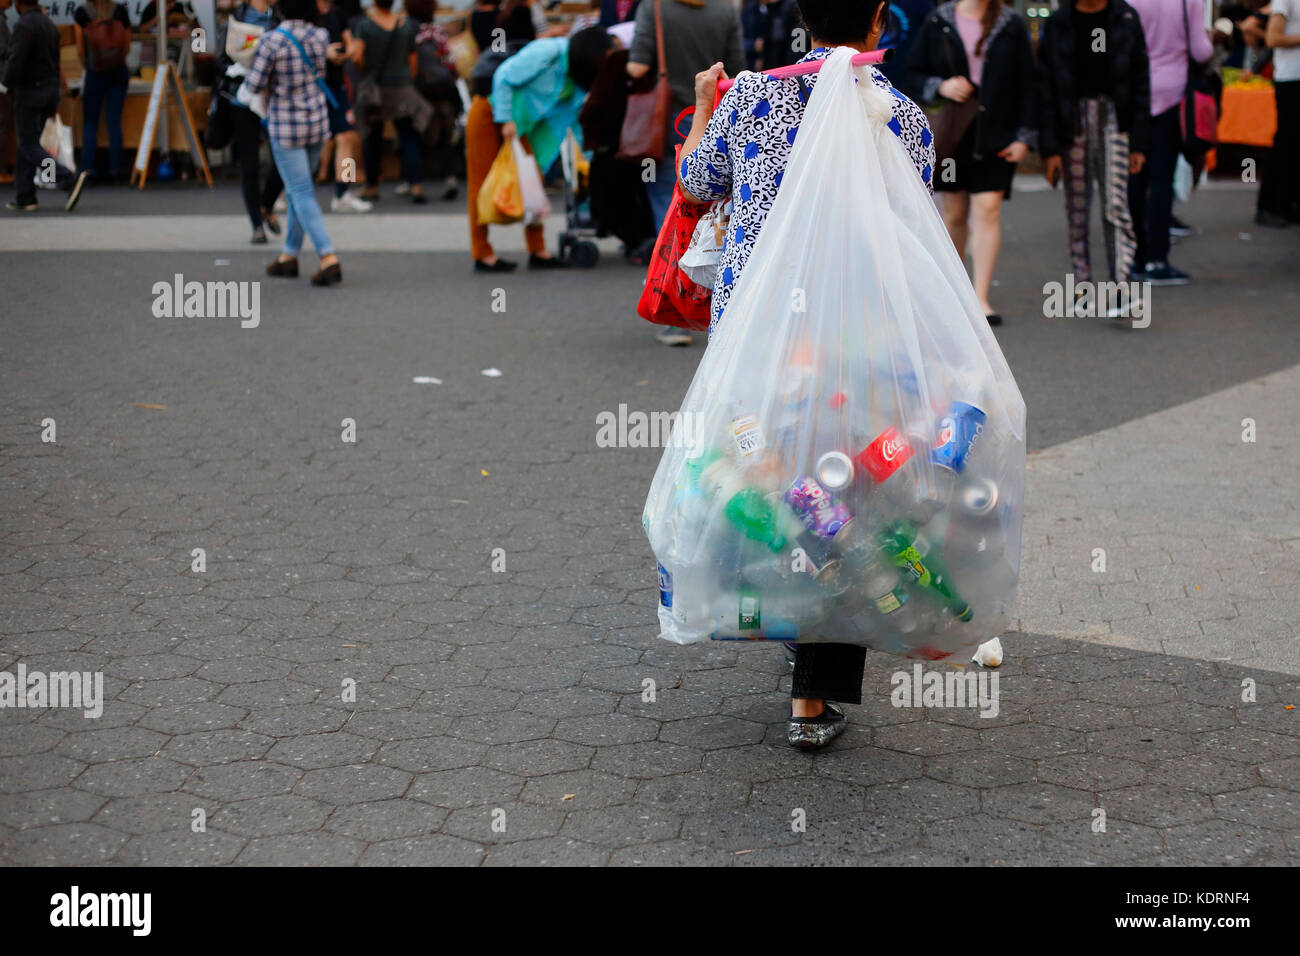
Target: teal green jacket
533 88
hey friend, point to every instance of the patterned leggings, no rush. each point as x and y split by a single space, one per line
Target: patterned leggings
1099 153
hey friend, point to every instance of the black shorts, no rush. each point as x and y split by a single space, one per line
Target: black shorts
988 174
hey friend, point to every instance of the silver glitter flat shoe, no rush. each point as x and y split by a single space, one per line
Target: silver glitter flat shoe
811 733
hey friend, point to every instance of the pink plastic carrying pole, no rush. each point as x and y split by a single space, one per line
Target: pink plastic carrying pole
812 66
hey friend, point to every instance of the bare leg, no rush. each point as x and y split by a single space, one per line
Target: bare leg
956 212
986 222
804 707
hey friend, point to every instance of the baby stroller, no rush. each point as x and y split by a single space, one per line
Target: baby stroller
579 225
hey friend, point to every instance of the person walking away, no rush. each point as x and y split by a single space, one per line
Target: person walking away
1168 26
345 140
103 32
979 49
1094 122
435 80
697 34
741 149
259 199
389 60
290 65
32 73
1279 192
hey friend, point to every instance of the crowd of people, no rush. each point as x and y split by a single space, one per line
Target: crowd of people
1100 96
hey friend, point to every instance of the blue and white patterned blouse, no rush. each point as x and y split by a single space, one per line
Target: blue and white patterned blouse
745 150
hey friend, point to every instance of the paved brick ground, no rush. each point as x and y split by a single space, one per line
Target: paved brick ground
520 692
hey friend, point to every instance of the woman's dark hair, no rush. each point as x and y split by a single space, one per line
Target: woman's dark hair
384 4
587 49
986 24
840 21
299 10
421 11
507 9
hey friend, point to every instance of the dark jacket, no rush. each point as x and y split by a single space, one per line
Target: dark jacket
1008 92
1132 92
33 52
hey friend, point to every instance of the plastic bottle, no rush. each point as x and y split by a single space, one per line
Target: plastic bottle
922 566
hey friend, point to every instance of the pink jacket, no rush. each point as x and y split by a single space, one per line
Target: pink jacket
1162 24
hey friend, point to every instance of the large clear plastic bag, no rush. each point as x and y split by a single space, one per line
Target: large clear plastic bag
848 464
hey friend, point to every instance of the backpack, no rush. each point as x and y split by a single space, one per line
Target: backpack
107 44
480 78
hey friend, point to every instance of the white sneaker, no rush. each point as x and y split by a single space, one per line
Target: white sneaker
402 189
350 202
671 335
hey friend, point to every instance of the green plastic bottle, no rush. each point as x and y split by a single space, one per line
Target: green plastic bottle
744 506
926 571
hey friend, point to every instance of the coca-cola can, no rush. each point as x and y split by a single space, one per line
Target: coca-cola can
884 456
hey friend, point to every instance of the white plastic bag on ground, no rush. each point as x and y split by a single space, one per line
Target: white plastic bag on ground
848 464
56 139
536 206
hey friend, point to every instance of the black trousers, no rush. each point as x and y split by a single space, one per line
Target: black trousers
32 107
1151 191
829 672
1279 190
248 142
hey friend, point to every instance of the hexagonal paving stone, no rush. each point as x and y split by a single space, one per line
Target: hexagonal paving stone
980 769
1038 803
1091 771
315 751
579 790
621 826
354 783
533 757
435 850
504 823
466 787
386 820
270 816
237 781
64 844
1261 806
301 849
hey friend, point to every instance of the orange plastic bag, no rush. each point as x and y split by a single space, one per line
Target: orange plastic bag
500 200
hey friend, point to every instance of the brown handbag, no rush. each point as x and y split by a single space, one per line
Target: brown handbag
645 125
951 121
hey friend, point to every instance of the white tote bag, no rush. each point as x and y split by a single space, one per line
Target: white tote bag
56 139
848 464
536 206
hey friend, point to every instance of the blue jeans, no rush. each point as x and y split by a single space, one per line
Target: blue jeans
296 165
660 192
100 89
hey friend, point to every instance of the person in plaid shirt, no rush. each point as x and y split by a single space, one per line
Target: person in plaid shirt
298 123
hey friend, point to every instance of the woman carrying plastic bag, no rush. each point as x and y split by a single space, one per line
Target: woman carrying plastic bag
847 469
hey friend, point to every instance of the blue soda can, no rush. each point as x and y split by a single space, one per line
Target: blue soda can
665 587
958 432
